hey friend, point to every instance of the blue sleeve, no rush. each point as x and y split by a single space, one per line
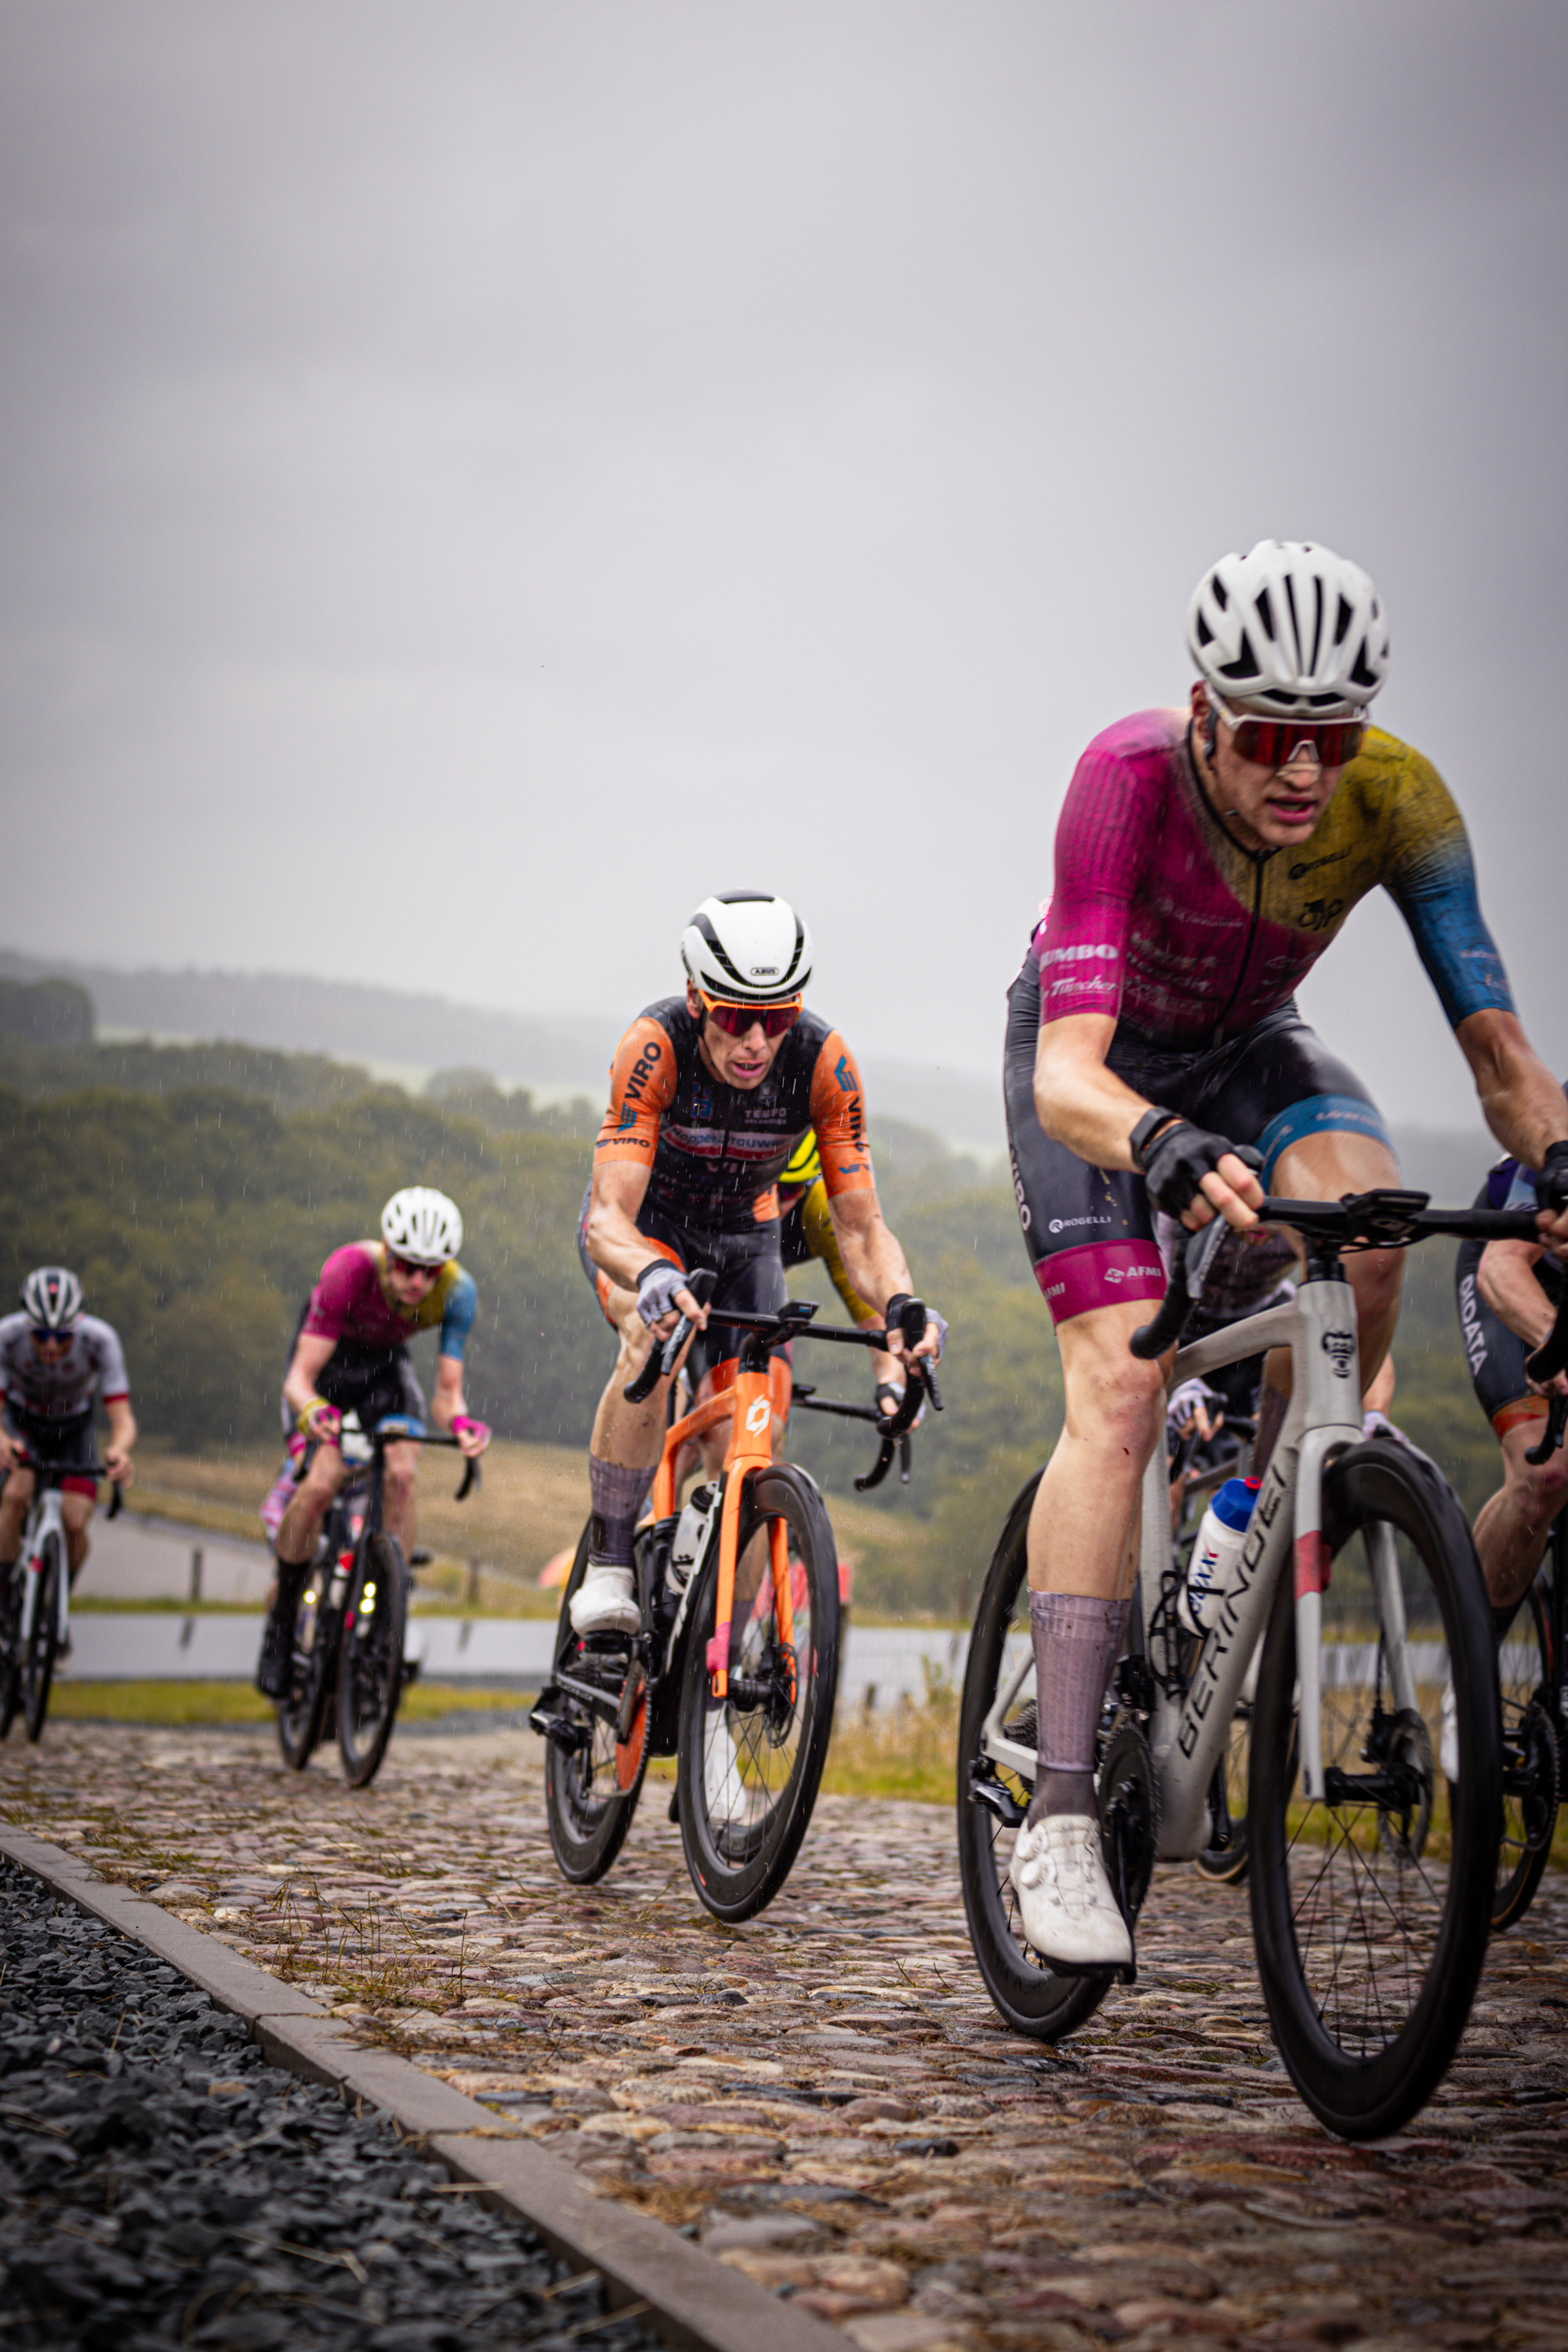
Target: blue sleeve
1453 943
1521 1191
457 1317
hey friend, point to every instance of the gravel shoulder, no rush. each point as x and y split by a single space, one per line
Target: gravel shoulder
825 2095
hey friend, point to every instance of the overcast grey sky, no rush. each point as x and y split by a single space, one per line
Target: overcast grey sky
477 477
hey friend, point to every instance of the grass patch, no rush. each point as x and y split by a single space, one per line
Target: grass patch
195 1701
911 1752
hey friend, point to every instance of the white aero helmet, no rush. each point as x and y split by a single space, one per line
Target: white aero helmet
748 948
51 1298
422 1225
1290 630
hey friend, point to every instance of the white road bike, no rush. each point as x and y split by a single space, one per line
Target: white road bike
1370 1876
35 1613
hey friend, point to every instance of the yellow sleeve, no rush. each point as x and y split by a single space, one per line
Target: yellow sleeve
816 1224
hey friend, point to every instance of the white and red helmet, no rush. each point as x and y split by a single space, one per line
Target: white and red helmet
1290 631
51 1298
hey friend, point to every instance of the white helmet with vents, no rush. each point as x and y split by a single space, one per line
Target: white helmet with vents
422 1225
1290 630
51 1298
748 948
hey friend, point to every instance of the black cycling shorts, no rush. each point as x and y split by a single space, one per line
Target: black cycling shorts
1495 1355
72 1438
1089 1231
372 1382
748 1265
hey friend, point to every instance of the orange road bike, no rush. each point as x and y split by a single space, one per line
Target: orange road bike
736 1668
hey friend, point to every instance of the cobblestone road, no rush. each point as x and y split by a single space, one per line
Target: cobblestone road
825 2095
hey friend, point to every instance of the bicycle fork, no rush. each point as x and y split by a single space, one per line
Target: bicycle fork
32 1563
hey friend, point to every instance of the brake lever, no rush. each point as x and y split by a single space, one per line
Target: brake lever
702 1283
1184 1292
911 1330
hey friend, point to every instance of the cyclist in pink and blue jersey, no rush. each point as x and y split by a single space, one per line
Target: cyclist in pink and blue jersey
1205 859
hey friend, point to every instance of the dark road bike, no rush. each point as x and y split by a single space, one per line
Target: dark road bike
1533 1671
35 1613
735 1671
349 1618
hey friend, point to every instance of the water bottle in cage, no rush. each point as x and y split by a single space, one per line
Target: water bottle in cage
1217 1548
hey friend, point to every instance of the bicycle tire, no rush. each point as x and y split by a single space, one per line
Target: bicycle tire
1368 1949
39 1664
588 1811
370 1660
1531 1761
748 1775
1029 1997
302 1712
10 1664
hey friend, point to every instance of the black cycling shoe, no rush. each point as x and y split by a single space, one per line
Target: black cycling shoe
276 1644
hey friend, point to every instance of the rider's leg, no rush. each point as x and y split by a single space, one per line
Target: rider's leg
1513 1526
399 1479
75 1510
622 1455
313 1498
16 1502
1322 1167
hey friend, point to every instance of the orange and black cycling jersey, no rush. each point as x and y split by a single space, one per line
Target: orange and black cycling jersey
714 1154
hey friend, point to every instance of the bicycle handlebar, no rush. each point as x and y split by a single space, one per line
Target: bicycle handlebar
661 1359
1388 1218
80 1470
401 1428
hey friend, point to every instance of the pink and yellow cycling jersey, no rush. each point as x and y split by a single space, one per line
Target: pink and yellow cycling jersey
350 1302
1161 920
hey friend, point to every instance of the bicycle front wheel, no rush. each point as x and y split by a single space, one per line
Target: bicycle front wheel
993 1800
593 1778
38 1659
1371 1907
10 1663
369 1667
302 1710
751 1762
1532 1764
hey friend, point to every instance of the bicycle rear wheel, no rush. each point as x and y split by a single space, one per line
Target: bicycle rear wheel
303 1711
751 1763
593 1779
993 1800
1532 1764
1371 1912
369 1667
38 1659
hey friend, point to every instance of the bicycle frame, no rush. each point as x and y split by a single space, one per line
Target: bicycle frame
45 1517
747 1403
1187 1732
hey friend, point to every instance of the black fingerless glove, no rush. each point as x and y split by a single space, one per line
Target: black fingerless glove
1551 1184
1176 1160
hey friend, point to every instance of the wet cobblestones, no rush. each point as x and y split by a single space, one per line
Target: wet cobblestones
825 2097
161 2185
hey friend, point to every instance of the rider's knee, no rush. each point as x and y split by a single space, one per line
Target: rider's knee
399 1480
1542 1489
1375 1276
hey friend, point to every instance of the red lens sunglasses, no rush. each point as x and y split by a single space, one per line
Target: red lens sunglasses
1274 742
735 1020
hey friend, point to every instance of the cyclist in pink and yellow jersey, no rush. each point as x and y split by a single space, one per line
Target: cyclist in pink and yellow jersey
1205 859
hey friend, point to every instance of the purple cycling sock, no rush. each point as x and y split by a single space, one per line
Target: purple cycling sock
1077 1639
616 1494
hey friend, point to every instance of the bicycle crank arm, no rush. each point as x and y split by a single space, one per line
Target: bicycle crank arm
605 1704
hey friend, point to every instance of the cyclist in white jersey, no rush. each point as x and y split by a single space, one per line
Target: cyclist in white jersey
57 1365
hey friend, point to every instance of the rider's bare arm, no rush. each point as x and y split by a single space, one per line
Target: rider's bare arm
446 1407
1520 1102
614 1242
311 1352
1506 1279
875 1263
1086 1105
121 1438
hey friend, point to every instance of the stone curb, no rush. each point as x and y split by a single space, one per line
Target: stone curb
693 2300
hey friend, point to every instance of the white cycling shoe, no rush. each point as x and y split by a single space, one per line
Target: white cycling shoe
1065 1902
1448 1738
604 1602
